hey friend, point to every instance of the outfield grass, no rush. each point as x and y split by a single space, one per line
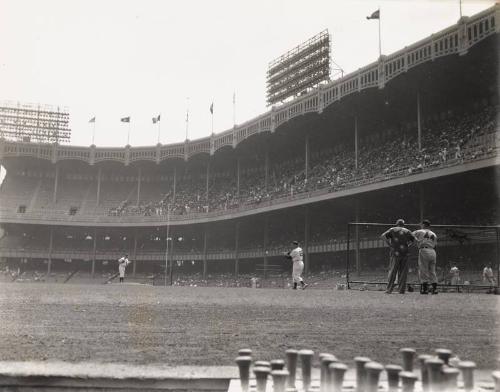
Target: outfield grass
206 326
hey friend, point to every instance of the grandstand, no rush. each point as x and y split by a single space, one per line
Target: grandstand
413 135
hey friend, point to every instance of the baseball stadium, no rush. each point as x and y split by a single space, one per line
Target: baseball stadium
206 225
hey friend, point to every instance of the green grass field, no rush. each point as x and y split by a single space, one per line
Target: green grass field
206 326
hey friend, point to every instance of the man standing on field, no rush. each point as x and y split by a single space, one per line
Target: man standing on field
399 238
488 277
297 256
426 242
122 264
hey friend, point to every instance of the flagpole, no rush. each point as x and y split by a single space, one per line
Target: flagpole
460 3
93 133
234 108
379 35
128 134
158 132
187 117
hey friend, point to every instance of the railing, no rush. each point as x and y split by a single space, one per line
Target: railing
338 243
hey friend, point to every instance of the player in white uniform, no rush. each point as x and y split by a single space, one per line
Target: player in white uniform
297 257
122 264
455 275
426 242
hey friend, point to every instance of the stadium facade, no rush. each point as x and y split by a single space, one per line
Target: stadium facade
412 135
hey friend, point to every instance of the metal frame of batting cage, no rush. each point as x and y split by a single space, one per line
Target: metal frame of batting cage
388 225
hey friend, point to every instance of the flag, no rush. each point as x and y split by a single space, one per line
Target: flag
375 15
212 108
92 120
125 119
156 119
187 115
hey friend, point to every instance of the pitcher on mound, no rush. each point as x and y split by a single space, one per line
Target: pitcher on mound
297 257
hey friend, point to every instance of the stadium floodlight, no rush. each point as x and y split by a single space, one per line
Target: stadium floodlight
34 123
305 66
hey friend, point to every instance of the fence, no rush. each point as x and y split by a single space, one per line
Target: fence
468 248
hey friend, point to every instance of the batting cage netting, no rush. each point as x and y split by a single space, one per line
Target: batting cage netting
464 256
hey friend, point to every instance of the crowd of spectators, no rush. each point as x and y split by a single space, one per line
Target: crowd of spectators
447 138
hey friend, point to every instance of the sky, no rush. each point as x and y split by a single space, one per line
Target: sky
140 58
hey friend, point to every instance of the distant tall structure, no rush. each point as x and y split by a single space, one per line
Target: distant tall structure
305 66
34 123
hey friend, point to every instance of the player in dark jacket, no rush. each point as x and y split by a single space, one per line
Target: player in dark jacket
399 239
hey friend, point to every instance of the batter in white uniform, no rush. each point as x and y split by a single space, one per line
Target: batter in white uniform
297 256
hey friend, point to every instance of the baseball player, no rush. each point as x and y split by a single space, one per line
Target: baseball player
399 238
488 277
297 257
455 275
426 243
122 264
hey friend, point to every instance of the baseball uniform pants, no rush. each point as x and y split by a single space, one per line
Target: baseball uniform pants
400 269
298 268
427 265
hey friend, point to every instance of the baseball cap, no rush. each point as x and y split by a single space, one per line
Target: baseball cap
295 242
400 222
426 222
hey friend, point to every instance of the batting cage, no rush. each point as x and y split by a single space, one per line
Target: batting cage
467 257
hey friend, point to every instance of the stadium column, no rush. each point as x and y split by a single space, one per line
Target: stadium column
51 242
175 183
306 240
208 181
135 253
236 249
205 243
307 159
421 198
238 179
56 180
99 174
94 252
266 234
498 256
266 168
171 258
356 236
419 125
138 186
356 155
